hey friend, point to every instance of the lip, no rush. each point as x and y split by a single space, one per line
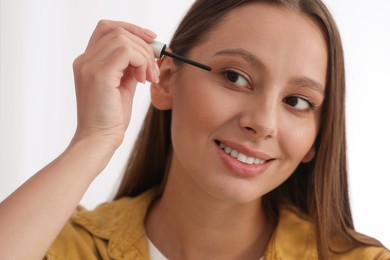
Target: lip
240 168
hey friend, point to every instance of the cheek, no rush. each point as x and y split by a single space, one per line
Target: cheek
198 105
191 111
191 118
297 138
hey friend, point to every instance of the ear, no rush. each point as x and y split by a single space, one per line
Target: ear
161 93
310 155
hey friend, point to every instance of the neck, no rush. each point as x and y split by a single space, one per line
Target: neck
207 227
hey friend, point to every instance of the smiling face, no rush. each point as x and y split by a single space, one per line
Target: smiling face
239 133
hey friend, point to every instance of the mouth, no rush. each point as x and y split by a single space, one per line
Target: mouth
239 156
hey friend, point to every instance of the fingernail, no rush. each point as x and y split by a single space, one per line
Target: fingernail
156 77
149 33
156 73
157 69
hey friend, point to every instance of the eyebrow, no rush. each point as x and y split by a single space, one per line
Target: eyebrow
249 57
300 81
309 83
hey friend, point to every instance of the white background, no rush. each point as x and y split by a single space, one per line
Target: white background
40 39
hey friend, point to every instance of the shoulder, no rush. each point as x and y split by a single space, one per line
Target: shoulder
294 238
367 252
110 231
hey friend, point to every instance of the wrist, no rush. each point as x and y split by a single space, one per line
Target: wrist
92 151
98 139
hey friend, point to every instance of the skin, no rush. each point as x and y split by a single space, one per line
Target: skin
252 115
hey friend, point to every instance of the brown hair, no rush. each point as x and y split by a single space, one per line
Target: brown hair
319 188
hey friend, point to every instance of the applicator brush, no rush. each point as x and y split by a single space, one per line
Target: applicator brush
159 50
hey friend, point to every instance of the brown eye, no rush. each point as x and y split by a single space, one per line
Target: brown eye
232 76
298 103
235 78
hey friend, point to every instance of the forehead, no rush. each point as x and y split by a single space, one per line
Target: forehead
274 34
260 17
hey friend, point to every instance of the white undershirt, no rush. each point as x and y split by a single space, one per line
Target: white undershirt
155 254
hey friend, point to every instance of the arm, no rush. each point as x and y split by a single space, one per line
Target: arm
116 59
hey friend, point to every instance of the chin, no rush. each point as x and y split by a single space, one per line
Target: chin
236 193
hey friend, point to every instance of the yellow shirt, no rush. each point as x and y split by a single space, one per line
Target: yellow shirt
115 230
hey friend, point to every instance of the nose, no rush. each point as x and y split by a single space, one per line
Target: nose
259 119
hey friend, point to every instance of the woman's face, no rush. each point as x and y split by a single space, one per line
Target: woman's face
240 133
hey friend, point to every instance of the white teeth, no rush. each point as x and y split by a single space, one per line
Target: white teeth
241 157
258 161
250 160
234 153
228 150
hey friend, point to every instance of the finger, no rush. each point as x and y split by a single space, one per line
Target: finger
105 26
109 72
117 38
121 59
148 61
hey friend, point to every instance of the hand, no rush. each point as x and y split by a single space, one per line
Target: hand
116 59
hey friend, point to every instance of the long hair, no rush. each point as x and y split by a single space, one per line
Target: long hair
319 188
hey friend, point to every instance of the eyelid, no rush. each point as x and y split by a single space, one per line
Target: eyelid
312 105
235 70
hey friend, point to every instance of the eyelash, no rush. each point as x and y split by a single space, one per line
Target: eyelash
311 104
224 73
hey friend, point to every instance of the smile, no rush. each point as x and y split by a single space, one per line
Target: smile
240 156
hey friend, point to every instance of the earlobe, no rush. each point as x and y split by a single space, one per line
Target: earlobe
310 155
161 93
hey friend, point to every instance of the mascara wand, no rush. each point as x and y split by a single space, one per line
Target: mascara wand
159 50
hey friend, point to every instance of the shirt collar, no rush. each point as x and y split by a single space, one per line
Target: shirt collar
293 237
121 222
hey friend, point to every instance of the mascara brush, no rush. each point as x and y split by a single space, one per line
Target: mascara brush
160 51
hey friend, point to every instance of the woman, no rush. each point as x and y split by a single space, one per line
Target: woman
244 162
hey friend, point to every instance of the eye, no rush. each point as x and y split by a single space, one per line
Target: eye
299 103
235 78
